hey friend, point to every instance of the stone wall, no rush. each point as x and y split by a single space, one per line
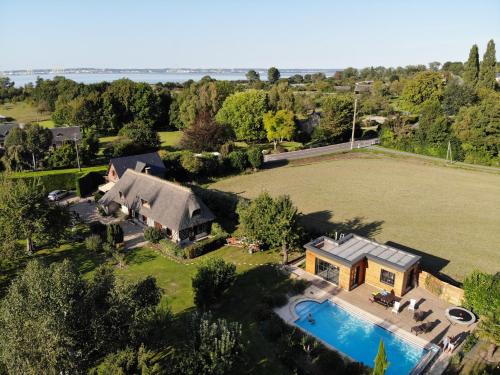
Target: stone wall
443 290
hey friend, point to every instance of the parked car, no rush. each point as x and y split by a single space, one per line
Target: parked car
57 195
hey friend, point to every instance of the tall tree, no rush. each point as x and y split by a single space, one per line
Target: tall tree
423 86
243 111
38 141
487 71
252 76
214 347
205 134
273 75
53 322
281 97
279 126
285 230
143 136
381 362
338 112
212 279
271 221
471 68
25 213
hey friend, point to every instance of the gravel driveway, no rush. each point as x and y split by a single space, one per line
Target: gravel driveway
133 233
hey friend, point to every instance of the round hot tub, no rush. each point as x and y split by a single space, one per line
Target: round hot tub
460 315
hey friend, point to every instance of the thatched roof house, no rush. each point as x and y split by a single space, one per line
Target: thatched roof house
165 205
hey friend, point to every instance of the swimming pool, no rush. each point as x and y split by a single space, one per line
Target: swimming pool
356 337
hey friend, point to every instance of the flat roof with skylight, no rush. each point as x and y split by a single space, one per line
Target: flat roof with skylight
352 248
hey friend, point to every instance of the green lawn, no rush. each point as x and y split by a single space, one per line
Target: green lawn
47 124
169 139
23 112
97 168
449 215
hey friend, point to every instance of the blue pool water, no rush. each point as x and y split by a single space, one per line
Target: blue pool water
356 337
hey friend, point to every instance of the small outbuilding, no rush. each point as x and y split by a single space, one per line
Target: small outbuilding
64 134
353 260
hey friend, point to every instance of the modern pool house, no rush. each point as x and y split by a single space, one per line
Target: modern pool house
353 260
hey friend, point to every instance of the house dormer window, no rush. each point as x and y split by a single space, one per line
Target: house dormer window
145 203
196 212
121 194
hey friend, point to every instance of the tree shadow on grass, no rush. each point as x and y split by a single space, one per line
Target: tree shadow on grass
319 223
134 257
83 260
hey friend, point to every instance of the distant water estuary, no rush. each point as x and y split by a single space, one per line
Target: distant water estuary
21 79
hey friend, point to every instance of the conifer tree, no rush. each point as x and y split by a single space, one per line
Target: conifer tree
487 71
471 69
381 363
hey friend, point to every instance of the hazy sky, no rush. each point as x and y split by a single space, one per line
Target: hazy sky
237 33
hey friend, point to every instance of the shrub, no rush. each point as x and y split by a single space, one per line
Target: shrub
469 343
93 243
153 235
212 279
329 360
191 163
226 149
255 157
218 231
114 234
204 246
482 292
210 164
172 161
88 183
96 227
238 160
171 248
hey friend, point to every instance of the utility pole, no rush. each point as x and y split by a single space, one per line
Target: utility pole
77 155
449 154
354 121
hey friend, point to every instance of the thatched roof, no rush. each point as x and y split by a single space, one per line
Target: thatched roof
165 202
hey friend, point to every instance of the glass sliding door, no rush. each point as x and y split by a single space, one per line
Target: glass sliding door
327 271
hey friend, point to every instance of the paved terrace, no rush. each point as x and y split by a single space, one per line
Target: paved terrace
357 301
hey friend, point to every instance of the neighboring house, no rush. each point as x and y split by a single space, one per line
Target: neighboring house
64 134
362 88
497 78
353 260
170 207
150 162
5 128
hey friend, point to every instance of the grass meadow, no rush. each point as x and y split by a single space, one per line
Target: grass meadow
449 215
25 112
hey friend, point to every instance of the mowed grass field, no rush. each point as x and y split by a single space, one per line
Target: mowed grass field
25 112
449 215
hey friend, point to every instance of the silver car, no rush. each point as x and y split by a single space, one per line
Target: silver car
57 195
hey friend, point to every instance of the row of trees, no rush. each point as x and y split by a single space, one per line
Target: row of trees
463 112
103 107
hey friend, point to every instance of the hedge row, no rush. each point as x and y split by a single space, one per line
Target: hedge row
88 183
50 182
193 250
